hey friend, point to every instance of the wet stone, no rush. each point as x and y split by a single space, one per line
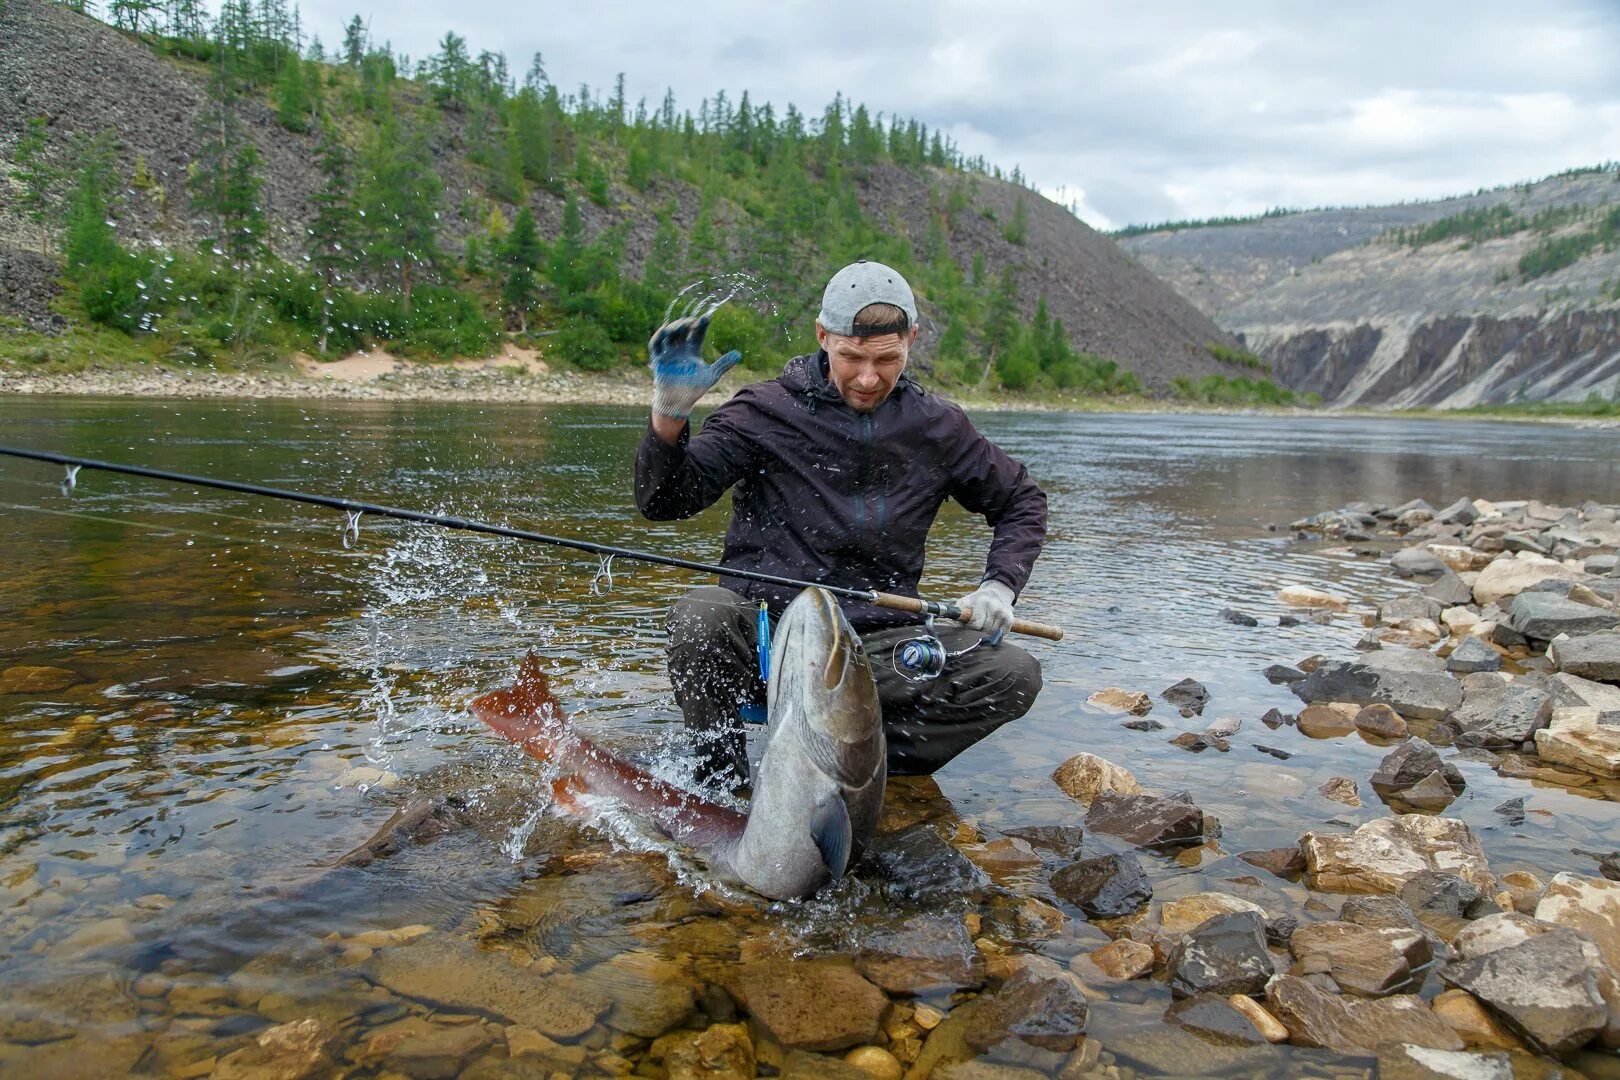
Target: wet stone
916 864
1588 905
1381 721
1085 776
1177 917
1277 674
1324 722
818 1005
1188 695
1379 913
1123 959
1146 723
719 1052
1041 1007
1062 840
1472 1023
1473 655
1417 562
33 679
1410 763
925 954
1351 1025
1441 897
1500 717
1280 755
1341 789
1283 862
1238 618
1276 718
1419 695
1543 988
1225 955
1131 701
1382 855
1148 820
1105 887
1401 1062
1361 960
1212 1018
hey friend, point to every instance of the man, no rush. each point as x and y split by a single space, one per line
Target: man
839 466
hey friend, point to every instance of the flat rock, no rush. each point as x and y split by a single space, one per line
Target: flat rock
719 1052
1381 722
1448 591
291 1051
1589 905
1063 840
1429 795
1324 722
33 679
1501 717
650 995
1085 776
446 971
1577 738
1105 887
1398 1061
1123 959
1360 959
1472 1023
1177 917
1473 655
1002 856
1507 577
1542 616
819 1005
1146 723
1224 955
1543 989
1212 1018
437 1051
1382 855
1418 695
1282 673
1417 562
1379 913
1573 692
1151 821
1589 656
1410 606
1130 701
1350 1025
1306 596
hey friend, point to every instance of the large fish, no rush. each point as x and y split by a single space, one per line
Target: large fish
819 788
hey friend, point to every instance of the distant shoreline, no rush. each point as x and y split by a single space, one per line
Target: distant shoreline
493 384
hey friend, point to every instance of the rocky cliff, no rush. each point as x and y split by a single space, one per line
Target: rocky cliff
1511 294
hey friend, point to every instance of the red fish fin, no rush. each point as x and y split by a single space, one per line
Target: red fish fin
565 795
525 712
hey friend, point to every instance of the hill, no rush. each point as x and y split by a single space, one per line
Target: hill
264 199
1511 294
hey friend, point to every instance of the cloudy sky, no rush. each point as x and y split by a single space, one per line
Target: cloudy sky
1131 112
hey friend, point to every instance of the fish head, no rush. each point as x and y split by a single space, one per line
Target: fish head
820 673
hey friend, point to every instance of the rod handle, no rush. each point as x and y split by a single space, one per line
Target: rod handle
1027 627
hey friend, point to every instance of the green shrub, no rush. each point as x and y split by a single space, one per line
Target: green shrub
585 345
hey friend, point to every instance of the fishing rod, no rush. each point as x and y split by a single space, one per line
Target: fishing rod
353 509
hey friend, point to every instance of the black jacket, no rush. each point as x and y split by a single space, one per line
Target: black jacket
827 494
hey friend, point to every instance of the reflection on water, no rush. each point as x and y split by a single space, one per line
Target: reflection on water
226 700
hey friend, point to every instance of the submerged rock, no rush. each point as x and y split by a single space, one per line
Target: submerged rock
1188 695
1282 673
1341 789
1382 855
1105 887
1085 776
1225 954
916 864
1284 862
1361 960
1148 820
1380 721
1354 1025
1408 765
1177 917
925 954
292 1051
1130 701
1238 618
1123 959
815 1005
1212 1018
1040 1006
1419 695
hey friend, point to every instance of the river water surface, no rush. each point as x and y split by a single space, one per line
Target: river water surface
241 699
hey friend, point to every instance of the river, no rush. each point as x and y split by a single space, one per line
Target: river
244 698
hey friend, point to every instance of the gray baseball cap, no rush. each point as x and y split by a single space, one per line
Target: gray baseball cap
856 286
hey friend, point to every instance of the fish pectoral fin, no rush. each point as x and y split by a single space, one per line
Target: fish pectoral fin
831 830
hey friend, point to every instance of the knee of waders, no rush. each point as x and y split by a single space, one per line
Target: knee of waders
703 616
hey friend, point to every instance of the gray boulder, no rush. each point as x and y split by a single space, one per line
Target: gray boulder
1411 762
1417 562
1409 606
1589 656
1223 955
1472 655
1461 512
1449 591
1147 820
1415 695
1500 717
1543 988
1105 887
1542 616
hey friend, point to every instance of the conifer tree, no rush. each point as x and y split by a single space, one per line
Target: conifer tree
292 95
399 197
354 42
330 247
36 175
663 266
522 255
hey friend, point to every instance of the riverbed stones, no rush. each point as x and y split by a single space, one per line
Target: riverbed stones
292 1051
925 954
1382 855
431 1051
1397 1061
1508 577
650 995
1123 959
719 1052
1472 1023
1582 739
1238 618
1134 702
1341 789
1419 695
1104 887
1152 821
1589 656
818 1004
1473 655
447 971
1542 988
35 679
1212 1018
1409 606
1042 1006
1286 862
1223 955
1360 960
1500 717
1589 905
1448 591
917 865
1542 616
1409 764
1085 776
1351 1025
1188 695
1306 596
1381 722
1177 917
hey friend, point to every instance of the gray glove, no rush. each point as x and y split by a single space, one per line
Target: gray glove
990 608
680 377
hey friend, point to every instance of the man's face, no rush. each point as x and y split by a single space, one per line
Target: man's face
865 369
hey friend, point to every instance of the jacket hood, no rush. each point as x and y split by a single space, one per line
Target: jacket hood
807 375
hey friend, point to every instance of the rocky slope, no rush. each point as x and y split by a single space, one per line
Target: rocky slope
1338 304
87 77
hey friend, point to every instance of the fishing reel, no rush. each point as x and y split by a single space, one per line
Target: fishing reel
923 658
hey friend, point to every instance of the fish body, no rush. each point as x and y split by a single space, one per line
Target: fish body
819 788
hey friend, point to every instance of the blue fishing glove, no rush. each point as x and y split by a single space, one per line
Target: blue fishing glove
680 377
990 609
